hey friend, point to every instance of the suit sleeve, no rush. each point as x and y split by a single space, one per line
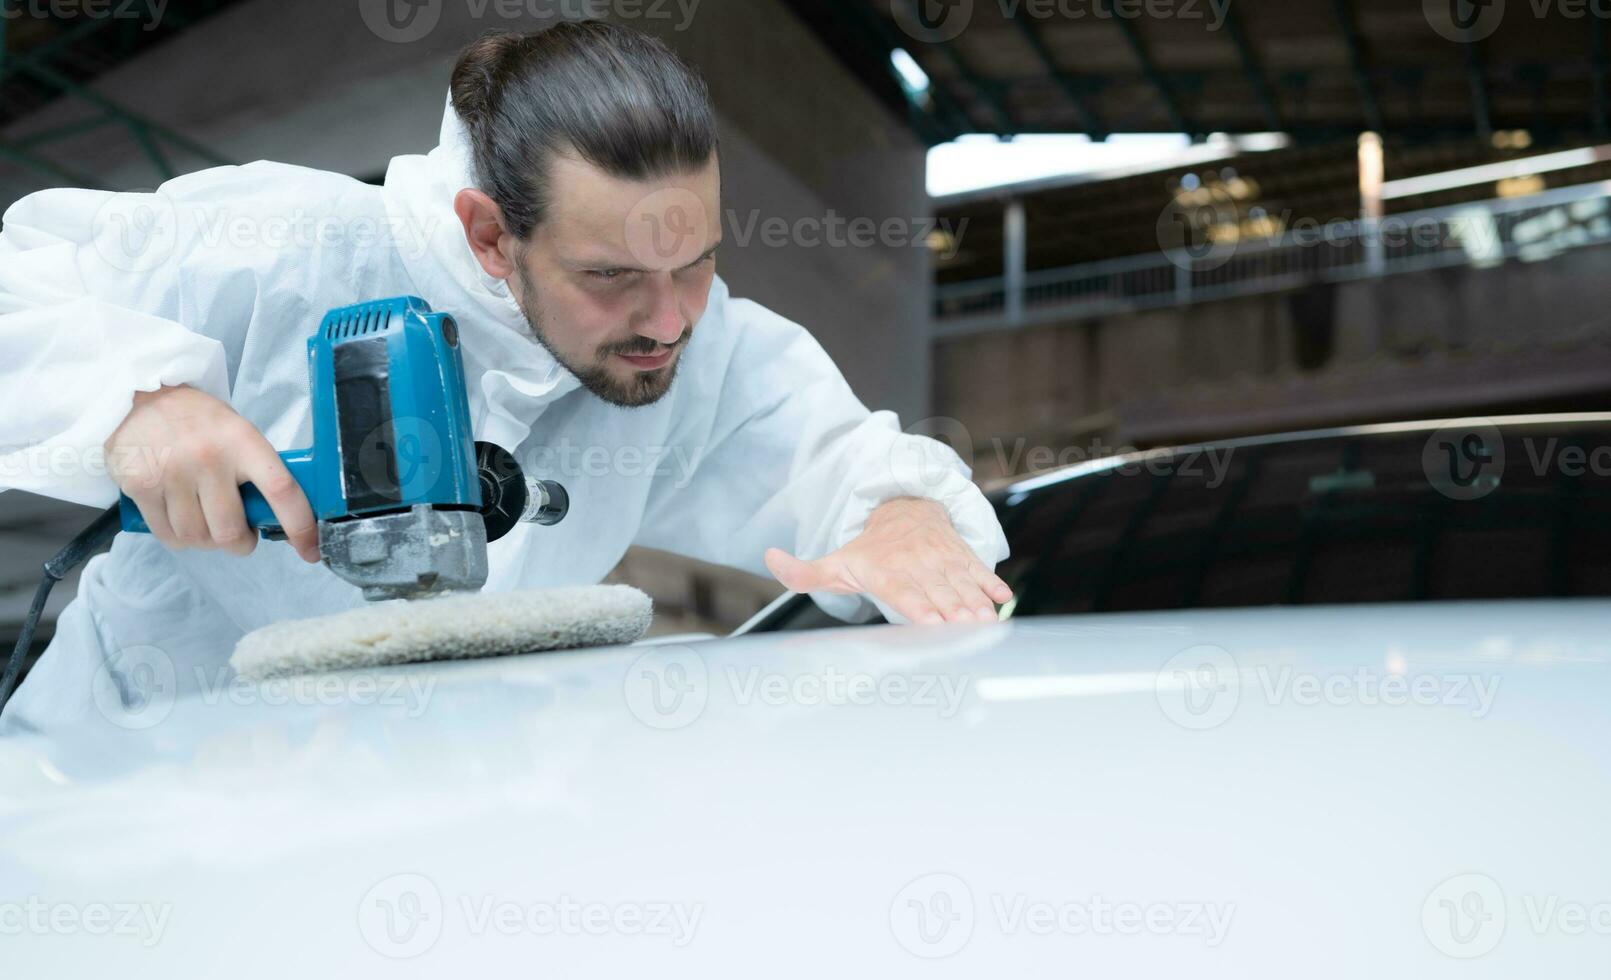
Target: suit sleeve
791 458
89 315
104 295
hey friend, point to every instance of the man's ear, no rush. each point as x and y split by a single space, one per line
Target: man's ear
483 229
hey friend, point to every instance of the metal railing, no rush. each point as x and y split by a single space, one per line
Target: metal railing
1480 234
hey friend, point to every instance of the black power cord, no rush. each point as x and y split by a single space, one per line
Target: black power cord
88 542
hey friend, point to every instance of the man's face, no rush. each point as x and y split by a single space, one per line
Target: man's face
619 271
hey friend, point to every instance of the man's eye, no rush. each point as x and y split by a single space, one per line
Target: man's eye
608 273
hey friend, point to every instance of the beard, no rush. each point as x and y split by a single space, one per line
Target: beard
640 389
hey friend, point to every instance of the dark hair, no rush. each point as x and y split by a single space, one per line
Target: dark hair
619 99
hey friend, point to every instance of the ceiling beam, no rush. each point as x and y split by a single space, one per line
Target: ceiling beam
1371 108
1089 120
1138 48
1452 130
1253 70
1597 55
949 119
1480 107
61 42
135 121
1005 122
40 165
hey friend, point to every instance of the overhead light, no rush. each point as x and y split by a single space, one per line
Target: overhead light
1512 139
1520 186
1371 170
913 78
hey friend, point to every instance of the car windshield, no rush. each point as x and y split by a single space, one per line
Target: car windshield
1374 515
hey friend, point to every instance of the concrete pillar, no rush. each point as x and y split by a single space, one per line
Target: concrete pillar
1013 235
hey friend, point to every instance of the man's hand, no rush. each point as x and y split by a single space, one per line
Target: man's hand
909 557
181 455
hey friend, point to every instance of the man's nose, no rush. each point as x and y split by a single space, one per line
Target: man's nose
665 321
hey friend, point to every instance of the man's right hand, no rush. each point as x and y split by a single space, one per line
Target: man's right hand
181 455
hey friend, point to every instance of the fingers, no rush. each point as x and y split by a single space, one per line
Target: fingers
154 511
903 594
181 455
972 596
225 514
262 467
992 584
185 516
940 594
822 575
949 603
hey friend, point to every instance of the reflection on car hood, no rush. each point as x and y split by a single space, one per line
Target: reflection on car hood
1309 786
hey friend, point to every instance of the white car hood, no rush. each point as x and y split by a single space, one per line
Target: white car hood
1339 791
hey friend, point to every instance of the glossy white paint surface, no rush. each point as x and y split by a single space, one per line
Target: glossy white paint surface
1215 794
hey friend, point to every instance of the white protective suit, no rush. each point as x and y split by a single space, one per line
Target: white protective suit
759 442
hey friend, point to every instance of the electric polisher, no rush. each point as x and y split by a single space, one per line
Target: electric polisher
406 499
406 502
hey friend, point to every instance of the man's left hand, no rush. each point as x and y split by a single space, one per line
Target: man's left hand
909 557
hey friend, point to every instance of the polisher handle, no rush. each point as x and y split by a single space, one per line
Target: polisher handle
258 512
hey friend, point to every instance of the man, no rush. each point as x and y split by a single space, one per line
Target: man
568 221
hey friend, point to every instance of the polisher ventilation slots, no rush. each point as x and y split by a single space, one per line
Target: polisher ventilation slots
406 499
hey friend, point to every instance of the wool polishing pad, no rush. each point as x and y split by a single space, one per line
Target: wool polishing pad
450 627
